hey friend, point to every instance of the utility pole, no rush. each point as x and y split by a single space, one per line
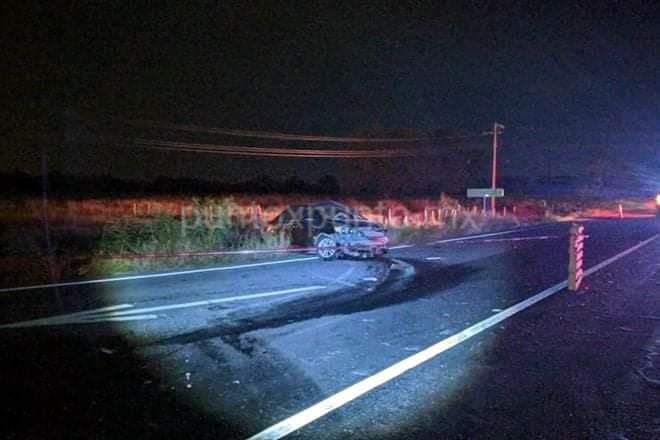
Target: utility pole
496 130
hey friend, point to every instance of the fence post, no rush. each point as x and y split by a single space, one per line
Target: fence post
183 221
576 257
258 217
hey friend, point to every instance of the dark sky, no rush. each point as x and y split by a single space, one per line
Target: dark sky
562 78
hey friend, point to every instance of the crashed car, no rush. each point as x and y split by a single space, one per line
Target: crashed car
334 230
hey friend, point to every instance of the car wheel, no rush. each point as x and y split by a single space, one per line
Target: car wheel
326 247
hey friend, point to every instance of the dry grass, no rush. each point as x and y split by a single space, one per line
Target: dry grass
103 236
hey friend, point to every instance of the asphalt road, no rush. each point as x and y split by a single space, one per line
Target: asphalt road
234 351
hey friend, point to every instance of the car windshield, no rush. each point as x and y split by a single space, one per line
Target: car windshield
343 213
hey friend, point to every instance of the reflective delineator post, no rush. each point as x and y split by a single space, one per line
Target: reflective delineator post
576 257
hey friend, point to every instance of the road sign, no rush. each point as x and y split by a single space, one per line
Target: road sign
485 192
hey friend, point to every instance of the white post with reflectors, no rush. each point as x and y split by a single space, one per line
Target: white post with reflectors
576 257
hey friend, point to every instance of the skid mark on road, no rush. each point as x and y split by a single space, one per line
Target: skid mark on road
341 279
397 289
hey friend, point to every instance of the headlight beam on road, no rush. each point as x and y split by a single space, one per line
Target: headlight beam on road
112 313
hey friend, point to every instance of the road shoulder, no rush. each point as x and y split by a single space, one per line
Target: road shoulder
577 360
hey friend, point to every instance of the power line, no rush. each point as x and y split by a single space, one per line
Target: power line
290 136
235 150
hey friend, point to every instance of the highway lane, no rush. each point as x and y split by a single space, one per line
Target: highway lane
20 303
558 370
242 280
240 369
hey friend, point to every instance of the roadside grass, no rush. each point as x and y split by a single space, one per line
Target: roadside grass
158 242
116 236
450 219
462 224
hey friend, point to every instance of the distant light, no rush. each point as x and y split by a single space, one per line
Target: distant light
657 199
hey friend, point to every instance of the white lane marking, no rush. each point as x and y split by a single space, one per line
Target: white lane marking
102 310
435 258
154 275
611 260
401 246
209 302
473 237
538 237
314 412
110 313
65 319
120 318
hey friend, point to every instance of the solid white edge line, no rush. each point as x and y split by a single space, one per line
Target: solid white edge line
530 237
474 237
214 269
611 260
100 310
358 389
212 301
108 313
117 318
400 246
64 319
154 275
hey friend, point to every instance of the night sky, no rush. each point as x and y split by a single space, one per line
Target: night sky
569 81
